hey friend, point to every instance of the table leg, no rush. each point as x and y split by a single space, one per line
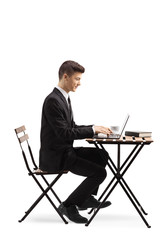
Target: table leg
119 176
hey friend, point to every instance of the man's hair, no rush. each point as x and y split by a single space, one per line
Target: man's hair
70 67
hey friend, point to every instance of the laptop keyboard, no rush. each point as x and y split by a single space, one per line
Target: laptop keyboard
101 135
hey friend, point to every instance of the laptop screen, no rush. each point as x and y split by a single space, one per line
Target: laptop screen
124 124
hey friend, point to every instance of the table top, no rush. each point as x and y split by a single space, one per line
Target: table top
122 140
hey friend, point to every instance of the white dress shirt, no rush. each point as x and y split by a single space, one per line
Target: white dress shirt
65 94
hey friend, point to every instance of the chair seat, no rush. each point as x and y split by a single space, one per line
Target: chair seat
38 171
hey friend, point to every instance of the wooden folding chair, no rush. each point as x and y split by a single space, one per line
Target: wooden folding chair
23 140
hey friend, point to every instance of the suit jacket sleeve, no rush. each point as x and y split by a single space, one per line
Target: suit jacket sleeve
81 126
58 121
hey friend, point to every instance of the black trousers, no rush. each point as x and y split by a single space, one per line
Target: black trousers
88 162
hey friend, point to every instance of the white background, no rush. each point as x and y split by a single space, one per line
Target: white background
118 44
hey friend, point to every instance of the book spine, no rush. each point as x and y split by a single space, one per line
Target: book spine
145 135
127 133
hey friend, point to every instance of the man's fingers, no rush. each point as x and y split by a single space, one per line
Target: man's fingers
106 130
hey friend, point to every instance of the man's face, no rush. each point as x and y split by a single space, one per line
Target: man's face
73 82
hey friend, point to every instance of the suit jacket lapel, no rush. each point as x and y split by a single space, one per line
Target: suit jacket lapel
64 101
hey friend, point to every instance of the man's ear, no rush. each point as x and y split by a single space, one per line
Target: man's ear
65 76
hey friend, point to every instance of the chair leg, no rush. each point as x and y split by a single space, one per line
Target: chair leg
56 196
41 196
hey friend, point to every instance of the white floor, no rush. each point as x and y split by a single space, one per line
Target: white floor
120 220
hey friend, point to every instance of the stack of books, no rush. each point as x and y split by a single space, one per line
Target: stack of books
138 133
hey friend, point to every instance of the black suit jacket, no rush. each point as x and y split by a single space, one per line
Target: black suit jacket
58 133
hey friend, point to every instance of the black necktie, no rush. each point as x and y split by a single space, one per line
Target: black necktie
70 108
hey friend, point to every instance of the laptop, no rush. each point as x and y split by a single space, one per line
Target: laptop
112 135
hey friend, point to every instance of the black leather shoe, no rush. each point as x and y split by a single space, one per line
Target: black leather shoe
72 213
91 202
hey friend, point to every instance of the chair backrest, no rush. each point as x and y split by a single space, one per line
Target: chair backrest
23 138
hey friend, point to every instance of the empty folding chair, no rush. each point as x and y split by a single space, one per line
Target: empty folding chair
26 151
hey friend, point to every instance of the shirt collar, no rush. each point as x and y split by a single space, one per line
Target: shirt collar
65 94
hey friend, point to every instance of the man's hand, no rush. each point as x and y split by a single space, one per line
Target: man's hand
101 129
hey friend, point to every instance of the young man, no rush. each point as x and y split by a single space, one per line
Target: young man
58 131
